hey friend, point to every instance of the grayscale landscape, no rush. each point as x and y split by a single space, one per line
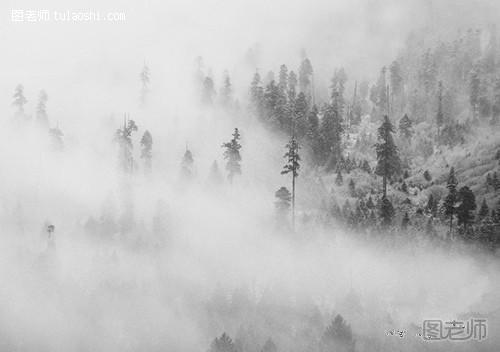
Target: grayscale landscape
250 176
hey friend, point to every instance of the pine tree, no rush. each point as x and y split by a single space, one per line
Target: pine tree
451 199
208 92
300 109
466 207
257 96
432 205
386 211
292 166
474 91
440 114
123 136
338 336
331 130
388 163
405 222
222 344
483 211
145 79
56 141
339 179
226 93
146 151
406 127
283 200
352 188
19 100
313 136
41 110
305 77
232 155
187 163
283 79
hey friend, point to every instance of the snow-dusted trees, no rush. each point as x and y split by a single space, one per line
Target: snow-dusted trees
232 155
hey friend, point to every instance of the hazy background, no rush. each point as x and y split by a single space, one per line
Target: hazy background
94 296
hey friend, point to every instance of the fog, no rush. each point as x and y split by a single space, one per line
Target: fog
137 291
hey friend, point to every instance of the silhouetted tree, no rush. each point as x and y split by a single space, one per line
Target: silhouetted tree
146 151
451 199
292 166
388 163
466 207
232 155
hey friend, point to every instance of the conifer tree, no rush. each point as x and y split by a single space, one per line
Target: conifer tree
56 141
41 110
208 92
388 163
305 77
406 127
466 207
432 205
331 130
257 96
187 163
222 344
352 188
337 336
451 199
406 221
232 155
146 151
386 211
483 211
283 200
292 166
145 79
123 136
313 134
19 100
440 113
226 93
339 180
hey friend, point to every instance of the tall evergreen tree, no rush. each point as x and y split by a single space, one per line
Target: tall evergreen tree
257 96
331 130
123 136
56 141
187 170
41 110
467 204
226 93
292 166
450 202
222 344
338 336
19 100
406 127
388 162
440 113
208 91
145 79
386 211
483 211
232 155
146 151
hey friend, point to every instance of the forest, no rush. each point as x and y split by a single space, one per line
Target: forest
271 208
